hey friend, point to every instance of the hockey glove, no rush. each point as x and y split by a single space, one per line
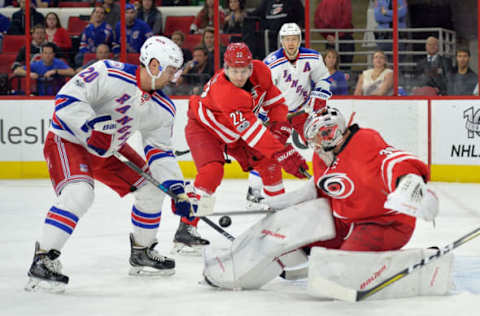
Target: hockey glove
102 135
182 205
318 100
412 197
291 161
281 131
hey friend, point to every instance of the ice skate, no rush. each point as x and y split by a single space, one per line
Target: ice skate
254 198
45 272
147 261
187 241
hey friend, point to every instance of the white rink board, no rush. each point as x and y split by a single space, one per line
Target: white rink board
456 132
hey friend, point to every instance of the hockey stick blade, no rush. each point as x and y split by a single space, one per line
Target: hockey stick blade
340 292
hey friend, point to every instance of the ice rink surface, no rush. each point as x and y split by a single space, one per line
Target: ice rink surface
96 260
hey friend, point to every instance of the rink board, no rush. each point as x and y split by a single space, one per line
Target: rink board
455 134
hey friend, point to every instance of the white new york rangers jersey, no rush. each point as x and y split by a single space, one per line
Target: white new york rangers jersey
296 80
110 88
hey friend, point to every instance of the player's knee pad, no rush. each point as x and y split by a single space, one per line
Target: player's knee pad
76 198
148 198
209 177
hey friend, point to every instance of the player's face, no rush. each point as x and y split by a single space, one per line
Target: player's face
166 77
238 75
290 44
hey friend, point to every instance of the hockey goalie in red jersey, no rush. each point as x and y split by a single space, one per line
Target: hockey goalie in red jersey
223 120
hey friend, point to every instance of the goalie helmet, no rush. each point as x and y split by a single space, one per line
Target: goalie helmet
162 49
325 130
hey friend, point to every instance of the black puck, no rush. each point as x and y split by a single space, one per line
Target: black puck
225 221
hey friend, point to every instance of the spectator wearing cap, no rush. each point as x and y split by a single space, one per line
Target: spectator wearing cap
49 71
137 32
95 33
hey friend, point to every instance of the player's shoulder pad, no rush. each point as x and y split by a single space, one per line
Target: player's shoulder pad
307 53
121 68
276 55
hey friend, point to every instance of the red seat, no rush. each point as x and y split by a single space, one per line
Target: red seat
133 58
192 41
88 56
19 84
6 61
13 43
180 23
76 25
74 4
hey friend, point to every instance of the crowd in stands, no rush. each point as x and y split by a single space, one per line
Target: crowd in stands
99 37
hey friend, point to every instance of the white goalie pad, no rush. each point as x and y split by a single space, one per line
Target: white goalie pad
333 270
253 259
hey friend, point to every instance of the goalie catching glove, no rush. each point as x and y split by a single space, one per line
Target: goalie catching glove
412 197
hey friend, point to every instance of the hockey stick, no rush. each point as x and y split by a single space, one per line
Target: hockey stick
246 212
181 152
156 183
351 295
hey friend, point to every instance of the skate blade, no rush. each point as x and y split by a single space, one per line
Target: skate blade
185 250
149 272
39 285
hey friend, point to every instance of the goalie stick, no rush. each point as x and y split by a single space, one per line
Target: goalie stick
351 295
156 183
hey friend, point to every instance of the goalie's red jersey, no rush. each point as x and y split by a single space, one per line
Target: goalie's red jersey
363 173
229 112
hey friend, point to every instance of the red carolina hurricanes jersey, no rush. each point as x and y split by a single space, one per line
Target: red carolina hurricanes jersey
363 173
230 112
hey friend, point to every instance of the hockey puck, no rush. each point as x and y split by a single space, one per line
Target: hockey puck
225 221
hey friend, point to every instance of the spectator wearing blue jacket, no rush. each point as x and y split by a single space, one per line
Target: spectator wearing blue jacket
96 33
4 25
338 79
137 32
384 18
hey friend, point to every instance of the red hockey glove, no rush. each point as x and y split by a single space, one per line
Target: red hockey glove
100 142
281 131
291 161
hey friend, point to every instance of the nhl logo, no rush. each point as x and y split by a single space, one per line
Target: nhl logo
472 123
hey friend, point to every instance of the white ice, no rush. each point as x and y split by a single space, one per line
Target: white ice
96 259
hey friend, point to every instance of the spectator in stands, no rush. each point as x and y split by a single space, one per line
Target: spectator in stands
150 14
463 80
17 27
178 38
112 12
208 42
336 14
377 80
195 73
38 39
56 33
384 18
42 3
49 71
4 25
337 78
204 18
176 2
103 52
137 32
95 33
274 13
235 17
432 71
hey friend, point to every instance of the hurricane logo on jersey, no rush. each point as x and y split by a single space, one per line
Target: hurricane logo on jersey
336 185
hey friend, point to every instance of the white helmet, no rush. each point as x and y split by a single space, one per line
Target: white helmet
162 49
290 29
325 129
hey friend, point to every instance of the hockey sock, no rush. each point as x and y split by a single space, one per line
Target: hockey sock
193 222
59 225
145 225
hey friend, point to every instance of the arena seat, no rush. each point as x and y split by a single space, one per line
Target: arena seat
74 4
192 41
180 23
6 61
88 56
133 58
13 43
76 25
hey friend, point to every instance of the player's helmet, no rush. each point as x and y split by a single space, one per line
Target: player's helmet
325 129
237 55
162 49
290 29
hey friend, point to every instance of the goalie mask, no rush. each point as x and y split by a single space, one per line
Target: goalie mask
325 130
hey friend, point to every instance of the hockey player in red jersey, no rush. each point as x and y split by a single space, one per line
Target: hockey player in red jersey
224 120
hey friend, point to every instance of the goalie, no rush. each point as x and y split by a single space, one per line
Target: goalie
364 196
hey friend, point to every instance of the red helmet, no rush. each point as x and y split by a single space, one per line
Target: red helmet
237 55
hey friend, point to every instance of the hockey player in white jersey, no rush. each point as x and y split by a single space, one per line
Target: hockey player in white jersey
301 75
95 113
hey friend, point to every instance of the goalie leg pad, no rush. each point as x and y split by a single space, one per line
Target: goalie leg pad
360 270
252 259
